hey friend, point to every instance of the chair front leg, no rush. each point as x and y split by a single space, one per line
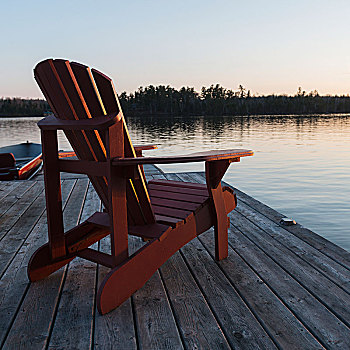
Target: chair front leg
214 172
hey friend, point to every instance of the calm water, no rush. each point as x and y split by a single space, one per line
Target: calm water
301 165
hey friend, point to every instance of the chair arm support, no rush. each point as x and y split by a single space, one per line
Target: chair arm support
98 123
145 147
214 172
139 148
210 156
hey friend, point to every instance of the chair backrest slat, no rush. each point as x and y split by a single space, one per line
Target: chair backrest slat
75 92
61 94
137 189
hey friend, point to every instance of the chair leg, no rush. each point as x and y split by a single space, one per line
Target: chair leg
221 224
53 194
41 264
214 171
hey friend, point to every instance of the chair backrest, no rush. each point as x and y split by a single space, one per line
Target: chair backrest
74 92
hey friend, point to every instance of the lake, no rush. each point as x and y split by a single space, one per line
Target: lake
301 165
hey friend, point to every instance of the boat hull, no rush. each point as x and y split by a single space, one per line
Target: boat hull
19 162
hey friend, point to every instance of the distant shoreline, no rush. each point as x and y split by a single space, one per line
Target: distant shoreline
163 115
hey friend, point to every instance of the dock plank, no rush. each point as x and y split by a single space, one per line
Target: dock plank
14 285
155 323
241 328
337 334
196 322
12 197
73 327
10 217
322 263
8 186
116 329
319 320
19 232
283 327
33 324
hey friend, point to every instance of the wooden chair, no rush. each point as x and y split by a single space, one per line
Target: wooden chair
167 214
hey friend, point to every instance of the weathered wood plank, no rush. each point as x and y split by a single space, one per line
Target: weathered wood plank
14 284
150 169
10 217
15 237
322 263
156 176
155 323
241 328
33 323
73 327
196 322
16 194
335 298
238 323
7 186
64 176
280 322
325 246
333 331
320 321
114 330
267 294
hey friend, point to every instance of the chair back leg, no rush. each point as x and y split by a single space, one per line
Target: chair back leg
53 194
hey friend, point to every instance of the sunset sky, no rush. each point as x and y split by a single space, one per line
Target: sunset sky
267 46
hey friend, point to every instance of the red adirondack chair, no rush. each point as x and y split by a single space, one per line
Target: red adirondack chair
167 214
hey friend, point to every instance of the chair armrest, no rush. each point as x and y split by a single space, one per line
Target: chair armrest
98 123
210 156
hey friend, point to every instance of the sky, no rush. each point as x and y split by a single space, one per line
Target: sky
266 46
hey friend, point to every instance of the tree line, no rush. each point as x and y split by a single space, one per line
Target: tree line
19 107
214 100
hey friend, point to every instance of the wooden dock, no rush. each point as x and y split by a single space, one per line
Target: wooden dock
281 287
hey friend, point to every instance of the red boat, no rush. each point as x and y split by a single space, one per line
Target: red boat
21 161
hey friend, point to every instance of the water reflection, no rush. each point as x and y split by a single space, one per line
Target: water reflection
301 165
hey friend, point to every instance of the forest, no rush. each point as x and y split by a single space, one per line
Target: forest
19 107
214 100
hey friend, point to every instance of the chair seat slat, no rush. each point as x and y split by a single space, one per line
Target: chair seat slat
164 202
172 183
177 196
176 189
175 213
